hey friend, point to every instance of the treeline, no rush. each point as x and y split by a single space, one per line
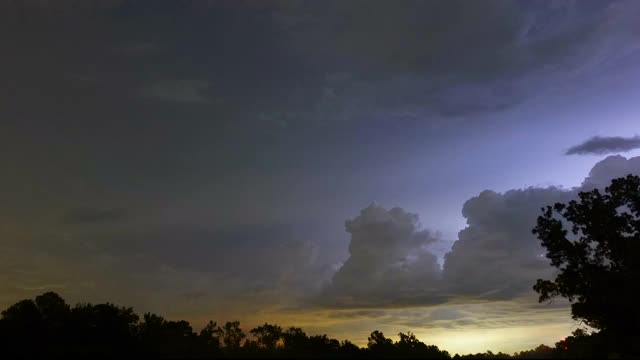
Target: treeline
48 327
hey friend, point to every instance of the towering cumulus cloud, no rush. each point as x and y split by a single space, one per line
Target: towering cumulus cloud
610 168
388 259
495 257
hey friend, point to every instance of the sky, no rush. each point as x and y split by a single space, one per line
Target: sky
343 166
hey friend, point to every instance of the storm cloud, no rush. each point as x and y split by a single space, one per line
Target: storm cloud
389 259
199 158
599 145
89 215
496 256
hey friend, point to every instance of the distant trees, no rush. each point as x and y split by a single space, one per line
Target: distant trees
540 352
410 347
49 327
232 335
210 337
160 337
598 261
407 347
267 335
379 344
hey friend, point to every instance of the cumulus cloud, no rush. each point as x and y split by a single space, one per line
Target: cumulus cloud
496 256
610 168
599 145
389 259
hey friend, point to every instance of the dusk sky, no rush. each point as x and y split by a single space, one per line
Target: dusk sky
342 166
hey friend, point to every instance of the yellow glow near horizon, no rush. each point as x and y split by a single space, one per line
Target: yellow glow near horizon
496 326
507 340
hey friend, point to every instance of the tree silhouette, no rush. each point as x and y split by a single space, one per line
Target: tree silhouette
24 311
598 260
48 328
540 352
103 328
349 349
21 327
232 335
295 341
52 307
267 335
379 345
410 347
210 334
322 344
165 338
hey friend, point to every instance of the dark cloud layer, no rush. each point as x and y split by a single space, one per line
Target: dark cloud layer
599 145
191 155
93 215
375 58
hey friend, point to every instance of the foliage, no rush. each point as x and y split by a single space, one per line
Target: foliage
48 327
598 263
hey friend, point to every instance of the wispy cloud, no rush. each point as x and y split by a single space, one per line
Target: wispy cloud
43 287
600 145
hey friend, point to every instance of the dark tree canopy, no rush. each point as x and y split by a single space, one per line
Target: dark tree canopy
598 257
49 328
267 335
232 335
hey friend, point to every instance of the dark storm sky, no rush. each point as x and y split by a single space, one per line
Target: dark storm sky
200 158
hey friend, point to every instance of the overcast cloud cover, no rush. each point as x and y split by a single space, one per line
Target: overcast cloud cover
200 158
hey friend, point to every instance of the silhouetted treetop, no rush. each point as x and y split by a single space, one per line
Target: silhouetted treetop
598 258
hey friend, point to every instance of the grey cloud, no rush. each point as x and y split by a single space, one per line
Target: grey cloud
357 314
422 62
287 261
90 215
152 265
520 47
447 314
43 287
496 256
139 48
389 261
610 168
180 91
599 145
